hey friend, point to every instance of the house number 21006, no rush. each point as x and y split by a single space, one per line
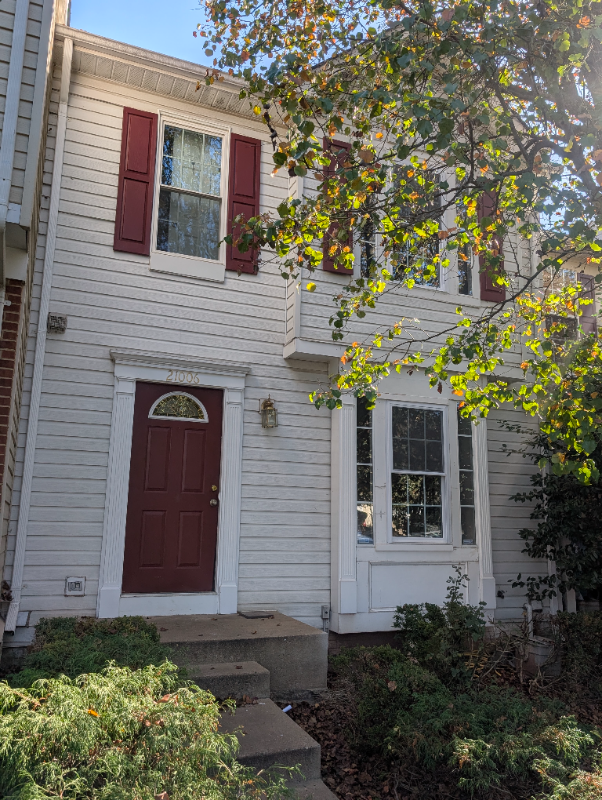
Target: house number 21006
183 377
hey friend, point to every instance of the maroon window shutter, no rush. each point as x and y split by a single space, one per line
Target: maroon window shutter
328 264
489 289
136 182
243 196
588 320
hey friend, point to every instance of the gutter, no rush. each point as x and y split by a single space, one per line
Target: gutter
38 364
9 130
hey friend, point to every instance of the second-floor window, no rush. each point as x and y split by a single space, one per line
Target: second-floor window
419 259
190 203
464 264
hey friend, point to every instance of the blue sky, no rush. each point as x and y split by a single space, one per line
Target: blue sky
162 25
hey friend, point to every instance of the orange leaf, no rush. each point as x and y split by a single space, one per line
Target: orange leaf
92 712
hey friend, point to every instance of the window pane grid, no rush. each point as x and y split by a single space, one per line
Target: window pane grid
365 503
416 505
191 161
189 216
417 474
466 470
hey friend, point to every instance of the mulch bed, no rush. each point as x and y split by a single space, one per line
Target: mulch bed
352 776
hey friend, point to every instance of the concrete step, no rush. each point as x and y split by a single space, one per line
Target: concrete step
313 790
295 654
268 736
233 679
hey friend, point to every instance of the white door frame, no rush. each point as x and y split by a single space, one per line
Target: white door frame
139 365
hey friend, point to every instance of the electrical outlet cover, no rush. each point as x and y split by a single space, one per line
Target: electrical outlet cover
75 587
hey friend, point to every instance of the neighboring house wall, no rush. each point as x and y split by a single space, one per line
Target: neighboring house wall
10 385
32 42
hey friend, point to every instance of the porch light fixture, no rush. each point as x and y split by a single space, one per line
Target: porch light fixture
269 415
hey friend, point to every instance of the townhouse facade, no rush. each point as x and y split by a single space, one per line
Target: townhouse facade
168 459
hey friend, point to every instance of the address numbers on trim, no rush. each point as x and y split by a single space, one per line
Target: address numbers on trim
177 376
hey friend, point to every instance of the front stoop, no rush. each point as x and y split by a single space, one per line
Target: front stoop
233 656
269 737
314 790
295 654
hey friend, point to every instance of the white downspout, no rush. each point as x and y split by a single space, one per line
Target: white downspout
38 365
9 129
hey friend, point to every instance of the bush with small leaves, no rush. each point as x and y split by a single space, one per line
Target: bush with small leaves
121 734
75 645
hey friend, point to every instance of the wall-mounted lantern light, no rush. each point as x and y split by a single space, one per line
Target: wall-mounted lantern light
269 415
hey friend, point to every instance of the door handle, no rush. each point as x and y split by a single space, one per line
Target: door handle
213 502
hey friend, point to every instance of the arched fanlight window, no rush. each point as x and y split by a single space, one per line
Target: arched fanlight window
179 405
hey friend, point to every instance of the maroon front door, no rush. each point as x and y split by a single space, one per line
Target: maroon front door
171 528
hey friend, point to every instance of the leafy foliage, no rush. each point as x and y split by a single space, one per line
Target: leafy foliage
489 736
421 703
567 531
437 637
579 638
117 735
490 110
72 646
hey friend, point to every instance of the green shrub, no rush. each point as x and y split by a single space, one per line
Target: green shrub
121 734
488 736
579 638
73 646
438 637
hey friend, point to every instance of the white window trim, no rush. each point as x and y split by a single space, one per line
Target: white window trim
352 608
138 365
178 263
151 413
445 475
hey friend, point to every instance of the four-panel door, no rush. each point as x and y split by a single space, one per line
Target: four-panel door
172 517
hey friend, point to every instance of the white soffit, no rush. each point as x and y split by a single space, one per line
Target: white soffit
153 72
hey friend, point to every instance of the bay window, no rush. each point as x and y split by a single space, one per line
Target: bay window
365 505
466 470
408 469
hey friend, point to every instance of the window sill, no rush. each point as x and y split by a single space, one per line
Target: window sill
443 547
187 266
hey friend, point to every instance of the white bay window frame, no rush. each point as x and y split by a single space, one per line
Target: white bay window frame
382 465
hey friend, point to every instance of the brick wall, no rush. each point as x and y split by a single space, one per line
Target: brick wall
9 344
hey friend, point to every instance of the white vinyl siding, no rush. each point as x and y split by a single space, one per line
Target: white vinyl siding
113 300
